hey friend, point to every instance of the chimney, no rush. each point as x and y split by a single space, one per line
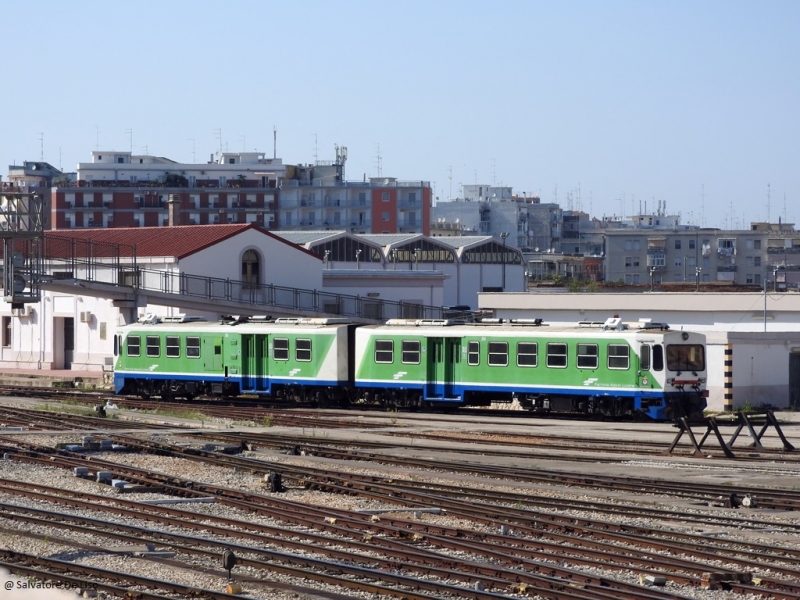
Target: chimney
174 209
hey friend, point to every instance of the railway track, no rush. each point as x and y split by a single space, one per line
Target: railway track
524 522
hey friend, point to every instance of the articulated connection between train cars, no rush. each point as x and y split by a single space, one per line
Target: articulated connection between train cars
608 369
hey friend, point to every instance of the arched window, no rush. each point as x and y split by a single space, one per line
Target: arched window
250 269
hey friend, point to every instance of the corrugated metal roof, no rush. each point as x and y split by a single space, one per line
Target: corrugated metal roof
180 241
386 239
464 240
306 237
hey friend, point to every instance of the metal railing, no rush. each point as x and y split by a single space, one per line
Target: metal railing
115 264
267 296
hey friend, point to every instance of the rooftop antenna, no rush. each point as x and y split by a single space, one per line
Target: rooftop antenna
274 142
130 139
450 177
555 195
192 140
591 210
768 201
702 205
315 147
578 203
41 146
59 159
244 143
218 134
785 220
378 159
494 178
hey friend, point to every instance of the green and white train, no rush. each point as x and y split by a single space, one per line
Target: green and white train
607 369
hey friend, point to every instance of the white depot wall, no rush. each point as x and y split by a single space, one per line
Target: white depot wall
282 264
392 286
473 278
761 368
39 337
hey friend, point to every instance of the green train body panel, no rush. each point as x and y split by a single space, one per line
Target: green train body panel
611 370
250 357
472 364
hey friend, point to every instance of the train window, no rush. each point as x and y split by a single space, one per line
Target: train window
384 351
116 345
411 350
193 347
619 356
685 357
153 346
173 346
644 358
280 348
134 343
474 353
526 354
587 356
658 357
498 354
302 350
557 356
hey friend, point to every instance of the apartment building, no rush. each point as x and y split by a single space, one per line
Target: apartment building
763 254
488 210
120 189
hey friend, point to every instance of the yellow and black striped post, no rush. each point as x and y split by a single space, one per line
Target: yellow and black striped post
727 379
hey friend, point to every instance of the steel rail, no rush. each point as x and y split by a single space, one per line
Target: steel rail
19 563
193 545
524 549
478 516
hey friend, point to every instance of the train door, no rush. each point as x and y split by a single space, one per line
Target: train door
794 380
442 355
644 365
212 354
262 362
249 362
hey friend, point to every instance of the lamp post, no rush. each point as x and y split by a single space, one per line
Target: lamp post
327 258
503 236
697 278
416 258
394 259
652 276
358 257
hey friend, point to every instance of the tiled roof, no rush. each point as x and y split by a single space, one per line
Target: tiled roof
178 241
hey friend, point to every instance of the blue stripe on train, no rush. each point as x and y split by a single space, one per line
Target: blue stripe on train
120 378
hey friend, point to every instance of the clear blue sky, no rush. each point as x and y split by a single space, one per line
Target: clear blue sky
640 100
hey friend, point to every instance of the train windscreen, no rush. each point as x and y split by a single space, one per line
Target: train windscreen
686 357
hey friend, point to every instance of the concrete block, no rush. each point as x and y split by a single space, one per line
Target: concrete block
80 471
